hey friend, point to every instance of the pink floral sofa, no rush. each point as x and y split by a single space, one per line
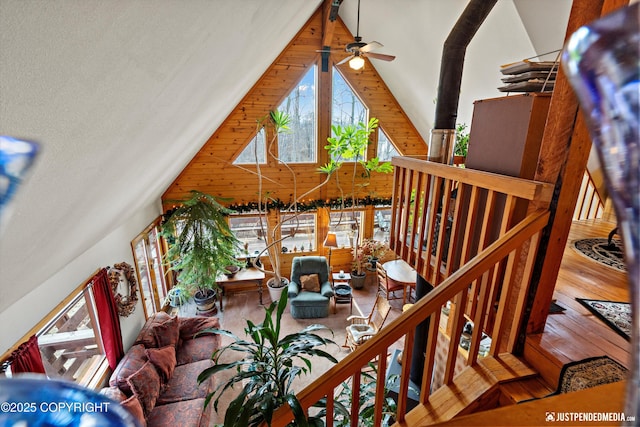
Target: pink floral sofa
156 380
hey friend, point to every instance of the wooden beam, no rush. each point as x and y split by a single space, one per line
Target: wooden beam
563 157
329 17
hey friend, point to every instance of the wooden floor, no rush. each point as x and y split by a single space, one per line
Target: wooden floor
577 334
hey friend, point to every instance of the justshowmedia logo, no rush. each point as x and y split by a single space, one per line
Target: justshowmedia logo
550 417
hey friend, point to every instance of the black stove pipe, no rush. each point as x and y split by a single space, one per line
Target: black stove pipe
452 63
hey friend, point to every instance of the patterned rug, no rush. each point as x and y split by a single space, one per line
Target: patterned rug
617 315
598 249
588 373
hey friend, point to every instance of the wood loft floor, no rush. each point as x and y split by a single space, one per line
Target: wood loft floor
577 334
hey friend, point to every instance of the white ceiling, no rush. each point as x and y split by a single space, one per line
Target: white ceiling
122 93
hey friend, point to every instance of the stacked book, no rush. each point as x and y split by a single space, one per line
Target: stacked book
529 76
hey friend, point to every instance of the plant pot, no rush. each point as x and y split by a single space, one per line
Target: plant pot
276 292
357 280
206 302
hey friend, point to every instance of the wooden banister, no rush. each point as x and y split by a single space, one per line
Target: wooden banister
430 305
481 271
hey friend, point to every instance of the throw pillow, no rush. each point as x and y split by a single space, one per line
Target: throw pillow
167 332
310 282
164 360
145 384
134 407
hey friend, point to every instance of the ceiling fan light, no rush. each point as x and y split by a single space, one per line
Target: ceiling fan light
356 63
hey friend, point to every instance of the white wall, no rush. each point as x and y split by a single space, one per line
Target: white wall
115 247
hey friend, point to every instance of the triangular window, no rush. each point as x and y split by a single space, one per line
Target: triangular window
299 145
386 150
248 155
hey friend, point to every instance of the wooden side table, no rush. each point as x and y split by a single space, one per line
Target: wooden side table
342 292
242 277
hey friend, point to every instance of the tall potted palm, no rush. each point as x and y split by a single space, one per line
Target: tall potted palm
201 247
265 368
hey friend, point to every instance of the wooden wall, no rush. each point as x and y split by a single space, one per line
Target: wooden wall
212 170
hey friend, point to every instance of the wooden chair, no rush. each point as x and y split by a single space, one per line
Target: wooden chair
361 329
388 287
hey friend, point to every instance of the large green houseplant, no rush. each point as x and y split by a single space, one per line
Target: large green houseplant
348 145
201 246
265 368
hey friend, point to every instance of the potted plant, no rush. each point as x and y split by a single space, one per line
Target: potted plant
349 144
201 247
176 297
374 250
265 369
278 122
461 146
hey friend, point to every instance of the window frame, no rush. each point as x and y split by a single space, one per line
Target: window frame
158 284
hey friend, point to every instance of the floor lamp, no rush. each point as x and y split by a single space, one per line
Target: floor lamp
330 242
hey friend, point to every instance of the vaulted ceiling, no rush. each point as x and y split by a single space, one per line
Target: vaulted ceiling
122 94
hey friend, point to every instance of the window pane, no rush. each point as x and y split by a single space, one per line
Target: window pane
247 229
156 261
305 236
386 150
382 225
299 145
145 280
345 226
69 346
248 155
346 108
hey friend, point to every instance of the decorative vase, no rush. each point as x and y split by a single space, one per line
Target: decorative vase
373 263
601 61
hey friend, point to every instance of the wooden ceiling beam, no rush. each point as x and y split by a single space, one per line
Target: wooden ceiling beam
329 17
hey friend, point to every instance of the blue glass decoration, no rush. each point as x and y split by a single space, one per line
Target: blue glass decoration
16 157
602 63
35 401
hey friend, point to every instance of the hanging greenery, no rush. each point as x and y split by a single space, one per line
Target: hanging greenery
311 205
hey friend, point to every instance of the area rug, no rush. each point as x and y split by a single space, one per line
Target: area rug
599 250
588 373
617 315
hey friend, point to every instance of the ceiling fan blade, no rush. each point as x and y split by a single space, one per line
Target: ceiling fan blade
345 60
381 56
371 46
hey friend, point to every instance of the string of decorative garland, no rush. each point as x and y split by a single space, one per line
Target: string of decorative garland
125 303
311 205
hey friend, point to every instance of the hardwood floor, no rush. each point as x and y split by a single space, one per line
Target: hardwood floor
576 334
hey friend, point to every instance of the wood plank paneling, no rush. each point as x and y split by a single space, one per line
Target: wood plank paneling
212 170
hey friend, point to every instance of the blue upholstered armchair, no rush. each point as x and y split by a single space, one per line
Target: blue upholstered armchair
307 298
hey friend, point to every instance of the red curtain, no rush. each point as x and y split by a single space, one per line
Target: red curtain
108 318
27 358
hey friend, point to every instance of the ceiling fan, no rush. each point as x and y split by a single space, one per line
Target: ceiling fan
359 49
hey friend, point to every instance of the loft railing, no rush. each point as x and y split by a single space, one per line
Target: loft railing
590 204
478 260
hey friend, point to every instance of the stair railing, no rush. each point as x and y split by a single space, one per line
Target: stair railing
483 271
